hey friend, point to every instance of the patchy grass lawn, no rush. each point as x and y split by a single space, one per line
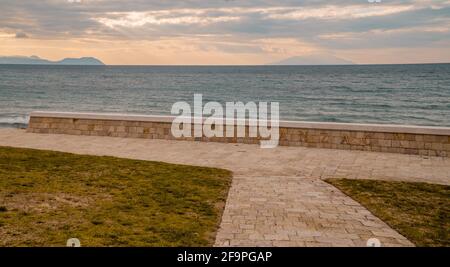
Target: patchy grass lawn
47 197
419 211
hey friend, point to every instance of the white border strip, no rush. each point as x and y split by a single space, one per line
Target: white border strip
383 128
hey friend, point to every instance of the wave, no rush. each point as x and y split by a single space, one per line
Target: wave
14 121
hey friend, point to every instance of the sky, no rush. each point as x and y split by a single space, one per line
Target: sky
227 32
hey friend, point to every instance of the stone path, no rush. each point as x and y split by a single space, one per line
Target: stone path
297 211
277 196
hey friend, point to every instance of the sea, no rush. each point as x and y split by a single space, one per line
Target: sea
385 94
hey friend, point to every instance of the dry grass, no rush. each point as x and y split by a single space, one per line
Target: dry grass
47 197
419 211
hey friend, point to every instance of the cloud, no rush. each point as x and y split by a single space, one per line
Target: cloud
21 35
337 13
235 27
266 15
177 17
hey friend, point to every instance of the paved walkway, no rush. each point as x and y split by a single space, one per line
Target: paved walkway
296 211
277 197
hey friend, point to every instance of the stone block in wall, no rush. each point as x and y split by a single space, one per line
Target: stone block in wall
429 138
404 144
442 139
385 143
437 146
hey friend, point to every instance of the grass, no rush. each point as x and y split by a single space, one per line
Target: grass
48 197
419 211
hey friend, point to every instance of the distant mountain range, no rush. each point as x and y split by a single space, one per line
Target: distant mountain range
313 59
34 60
316 59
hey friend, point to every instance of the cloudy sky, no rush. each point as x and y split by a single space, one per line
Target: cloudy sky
226 31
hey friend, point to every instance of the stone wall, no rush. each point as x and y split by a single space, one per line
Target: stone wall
419 140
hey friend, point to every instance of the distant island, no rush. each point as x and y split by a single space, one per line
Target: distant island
314 59
35 60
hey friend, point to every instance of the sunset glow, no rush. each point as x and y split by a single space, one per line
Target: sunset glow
226 32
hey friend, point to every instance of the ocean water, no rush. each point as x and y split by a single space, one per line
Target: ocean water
401 94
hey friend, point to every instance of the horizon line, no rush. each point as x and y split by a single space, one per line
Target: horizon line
231 65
